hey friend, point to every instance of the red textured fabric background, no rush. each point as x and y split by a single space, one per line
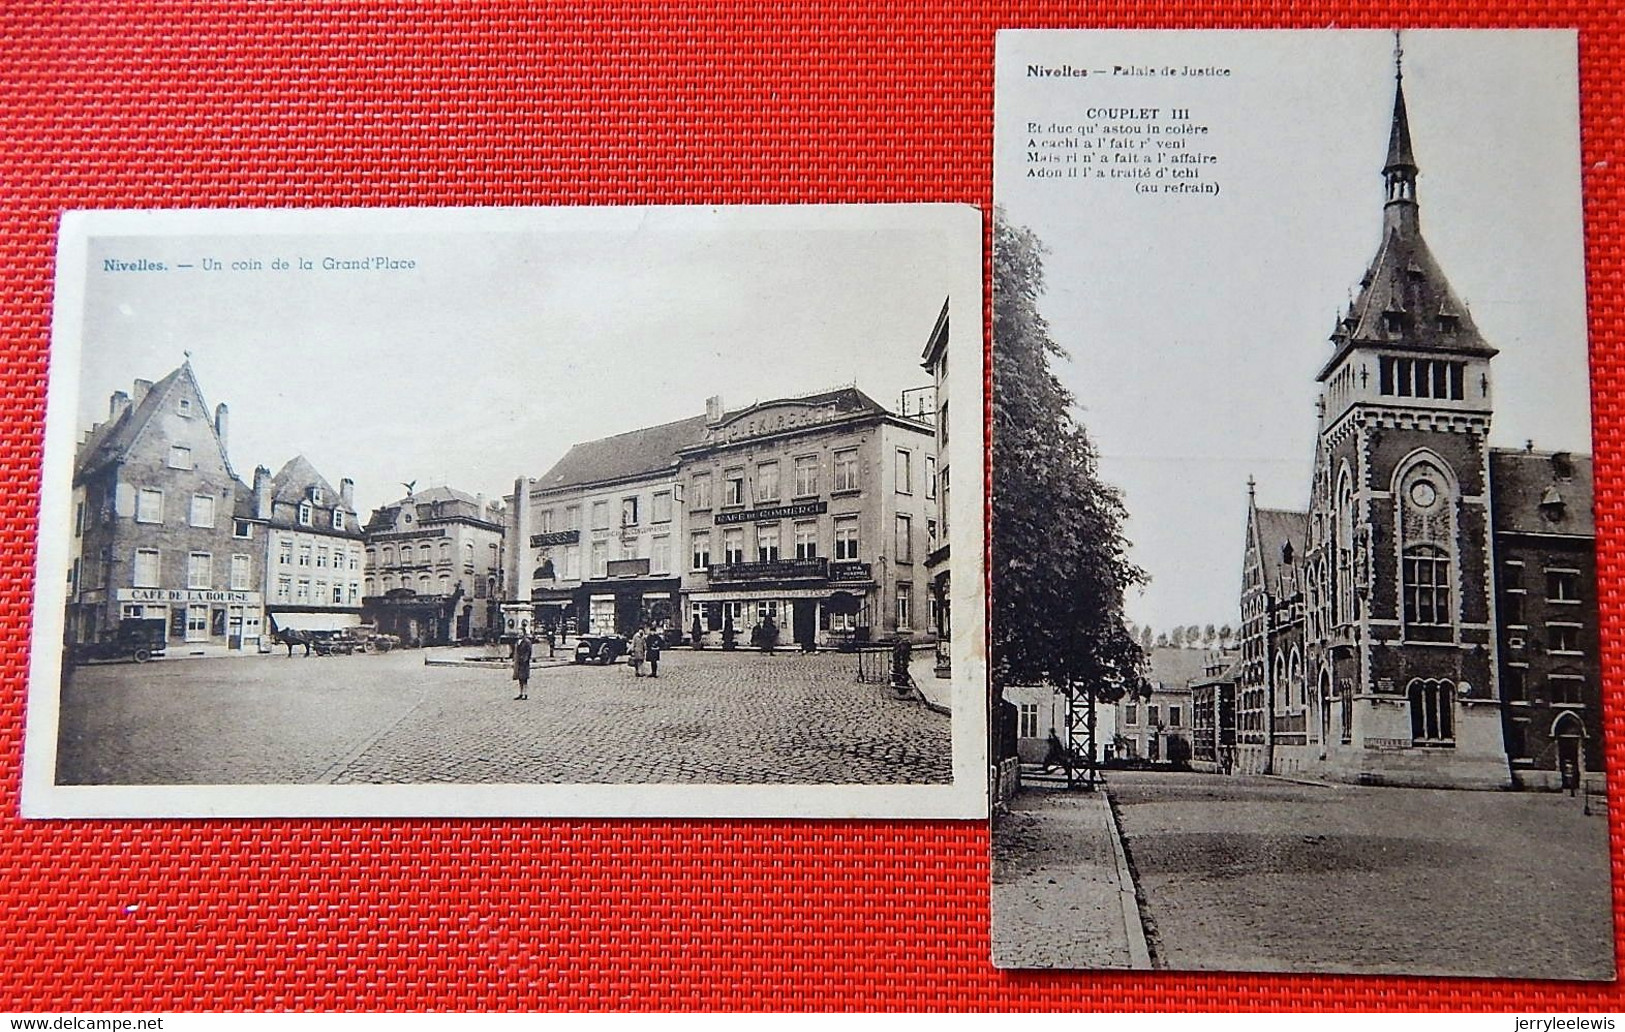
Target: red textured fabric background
175 105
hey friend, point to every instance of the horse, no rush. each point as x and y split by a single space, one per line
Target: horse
293 636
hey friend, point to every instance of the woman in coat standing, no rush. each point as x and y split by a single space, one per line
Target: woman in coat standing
521 665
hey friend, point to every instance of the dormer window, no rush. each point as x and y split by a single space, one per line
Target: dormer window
315 496
1393 322
1448 322
338 519
304 514
184 407
1552 506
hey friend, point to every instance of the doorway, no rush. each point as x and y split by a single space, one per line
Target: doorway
804 622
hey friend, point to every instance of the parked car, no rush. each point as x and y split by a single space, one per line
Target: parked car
602 649
138 640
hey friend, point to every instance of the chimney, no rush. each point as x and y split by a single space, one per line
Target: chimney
713 410
480 506
220 414
141 389
347 493
117 404
262 493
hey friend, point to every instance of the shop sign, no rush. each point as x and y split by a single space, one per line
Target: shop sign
235 598
557 537
627 568
773 512
774 421
777 569
849 571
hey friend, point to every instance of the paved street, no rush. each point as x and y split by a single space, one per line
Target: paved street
709 718
1266 875
1260 874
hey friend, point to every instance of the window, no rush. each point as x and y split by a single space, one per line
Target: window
905 606
1153 716
338 519
1421 378
1563 637
284 588
1173 716
1131 713
807 540
445 551
600 559
1512 576
904 549
905 479
1427 586
806 476
355 559
1512 609
930 531
302 591
701 551
354 594
468 557
600 515
321 558
846 470
180 457
1562 585
199 570
316 496
284 553
78 519
767 542
543 521
149 505
338 594
629 512
1566 687
183 406
660 512
699 493
1028 720
660 554
239 573
733 487
201 513
572 517
733 546
1432 713
242 529
146 568
846 537
305 512
930 476
767 481
304 555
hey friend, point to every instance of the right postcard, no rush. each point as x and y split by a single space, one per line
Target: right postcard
1294 626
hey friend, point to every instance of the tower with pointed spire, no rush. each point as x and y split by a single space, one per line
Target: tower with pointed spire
1373 656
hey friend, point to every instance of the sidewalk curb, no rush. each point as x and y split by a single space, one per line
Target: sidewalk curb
1139 954
1300 781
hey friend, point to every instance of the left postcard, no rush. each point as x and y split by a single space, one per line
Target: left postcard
512 512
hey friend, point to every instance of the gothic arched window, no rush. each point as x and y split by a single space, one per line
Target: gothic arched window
1426 494
1432 713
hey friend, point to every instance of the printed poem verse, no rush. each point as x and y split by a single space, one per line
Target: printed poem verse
1161 151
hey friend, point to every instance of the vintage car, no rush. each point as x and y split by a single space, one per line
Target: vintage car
137 640
600 648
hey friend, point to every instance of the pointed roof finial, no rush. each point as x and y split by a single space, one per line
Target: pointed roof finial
1252 488
1399 57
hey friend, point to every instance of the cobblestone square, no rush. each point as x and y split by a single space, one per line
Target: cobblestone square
709 718
1265 874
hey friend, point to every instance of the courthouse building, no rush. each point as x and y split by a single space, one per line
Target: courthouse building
163 530
433 567
313 549
1375 645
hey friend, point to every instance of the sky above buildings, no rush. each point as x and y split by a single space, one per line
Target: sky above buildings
1196 323
504 345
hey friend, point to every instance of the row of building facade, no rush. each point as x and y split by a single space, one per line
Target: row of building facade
819 520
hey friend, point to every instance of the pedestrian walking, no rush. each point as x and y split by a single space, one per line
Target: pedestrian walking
651 648
635 654
521 666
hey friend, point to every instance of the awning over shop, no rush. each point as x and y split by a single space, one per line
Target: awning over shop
314 621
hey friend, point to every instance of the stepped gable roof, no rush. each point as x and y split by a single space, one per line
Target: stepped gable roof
1277 528
294 480
1542 492
623 456
1170 668
109 441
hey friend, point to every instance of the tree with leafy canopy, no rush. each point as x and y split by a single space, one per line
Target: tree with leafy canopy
1060 560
